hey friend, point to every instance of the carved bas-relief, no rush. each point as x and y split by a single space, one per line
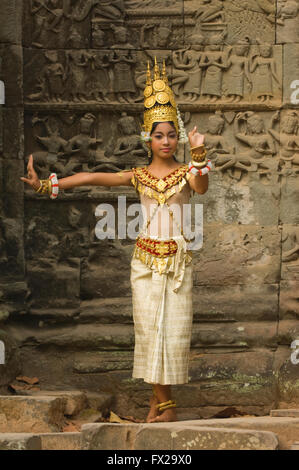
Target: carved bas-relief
128 148
230 74
242 144
240 18
287 21
66 144
286 135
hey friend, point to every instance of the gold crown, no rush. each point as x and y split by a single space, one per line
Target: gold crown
159 103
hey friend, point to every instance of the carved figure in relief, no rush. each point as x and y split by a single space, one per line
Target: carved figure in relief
98 35
76 236
213 61
217 144
83 146
47 16
130 143
98 83
290 241
261 145
211 10
287 9
55 145
51 80
160 35
288 139
53 141
76 67
268 7
111 9
188 62
265 68
237 71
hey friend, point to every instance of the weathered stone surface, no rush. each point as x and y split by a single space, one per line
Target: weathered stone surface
76 401
287 22
295 446
13 140
289 305
173 436
286 429
20 441
289 413
61 441
248 203
111 310
12 74
245 378
83 337
239 302
31 415
11 21
234 335
290 65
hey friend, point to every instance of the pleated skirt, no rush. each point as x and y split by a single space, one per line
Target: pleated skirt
163 319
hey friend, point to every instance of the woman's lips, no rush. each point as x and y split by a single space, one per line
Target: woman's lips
166 150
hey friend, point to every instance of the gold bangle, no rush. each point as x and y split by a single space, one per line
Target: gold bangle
198 157
40 188
198 147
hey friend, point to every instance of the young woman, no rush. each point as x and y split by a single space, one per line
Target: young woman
161 265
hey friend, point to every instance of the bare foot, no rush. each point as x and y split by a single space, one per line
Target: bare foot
153 412
166 417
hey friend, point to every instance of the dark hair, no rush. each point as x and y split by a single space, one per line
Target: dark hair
155 124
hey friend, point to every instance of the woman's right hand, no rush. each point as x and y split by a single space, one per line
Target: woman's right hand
33 179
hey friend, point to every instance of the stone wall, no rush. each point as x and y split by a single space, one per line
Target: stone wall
65 295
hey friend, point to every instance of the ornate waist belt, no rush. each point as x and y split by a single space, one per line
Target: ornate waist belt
158 248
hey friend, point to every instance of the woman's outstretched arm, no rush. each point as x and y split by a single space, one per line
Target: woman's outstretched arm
80 179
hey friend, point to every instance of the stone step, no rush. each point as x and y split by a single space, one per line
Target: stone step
19 414
61 441
286 429
20 441
290 413
295 446
173 436
48 411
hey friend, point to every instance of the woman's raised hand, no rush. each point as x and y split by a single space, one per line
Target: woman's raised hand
195 138
32 179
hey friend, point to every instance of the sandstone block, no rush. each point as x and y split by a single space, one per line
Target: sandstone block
291 413
174 436
286 429
31 414
60 441
19 441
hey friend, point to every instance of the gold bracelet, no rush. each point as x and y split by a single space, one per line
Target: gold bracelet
40 188
198 147
198 157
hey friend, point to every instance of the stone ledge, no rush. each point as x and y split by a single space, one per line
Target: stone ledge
20 441
286 429
288 413
61 441
20 414
173 436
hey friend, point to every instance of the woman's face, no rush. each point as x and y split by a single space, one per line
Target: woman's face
164 140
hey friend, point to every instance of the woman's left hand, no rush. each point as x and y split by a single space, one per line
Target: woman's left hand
195 138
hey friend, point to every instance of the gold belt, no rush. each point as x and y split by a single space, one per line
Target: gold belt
158 248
